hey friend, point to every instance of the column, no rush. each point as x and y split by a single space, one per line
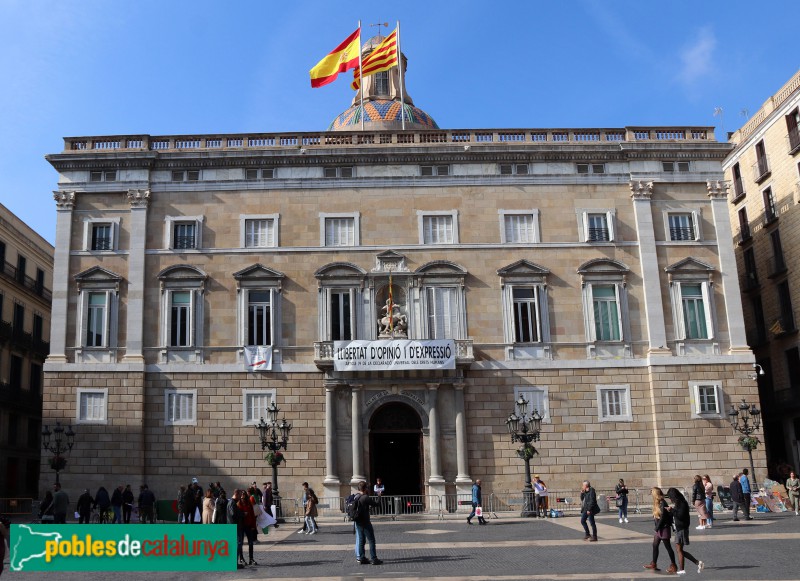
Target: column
331 484
718 193
65 202
463 480
358 444
435 480
139 201
648 259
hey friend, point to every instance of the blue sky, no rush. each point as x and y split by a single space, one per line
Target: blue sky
102 67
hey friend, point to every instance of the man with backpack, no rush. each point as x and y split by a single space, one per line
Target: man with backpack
359 512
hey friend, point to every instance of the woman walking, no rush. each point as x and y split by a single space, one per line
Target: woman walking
680 515
663 524
208 507
311 512
793 488
699 501
709 489
622 500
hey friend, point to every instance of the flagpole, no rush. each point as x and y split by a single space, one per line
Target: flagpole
402 85
360 77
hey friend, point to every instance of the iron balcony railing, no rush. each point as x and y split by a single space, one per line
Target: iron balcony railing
738 188
750 281
598 235
777 265
761 168
794 139
681 233
10 272
184 242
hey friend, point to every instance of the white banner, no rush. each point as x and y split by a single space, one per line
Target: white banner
258 358
394 354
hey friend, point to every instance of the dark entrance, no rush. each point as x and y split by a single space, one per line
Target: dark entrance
395 449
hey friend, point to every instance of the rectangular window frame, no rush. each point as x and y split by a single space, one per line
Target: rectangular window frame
611 398
516 169
505 228
339 172
584 215
101 406
593 314
518 308
354 217
703 392
269 313
443 321
246 238
169 232
681 314
88 233
538 397
690 232
423 216
190 407
590 168
438 170
249 396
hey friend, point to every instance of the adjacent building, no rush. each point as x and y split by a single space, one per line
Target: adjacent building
764 169
395 287
26 276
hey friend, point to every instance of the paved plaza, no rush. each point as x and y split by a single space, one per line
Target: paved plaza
507 548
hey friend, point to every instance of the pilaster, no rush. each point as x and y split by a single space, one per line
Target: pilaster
357 395
139 201
331 484
463 480
65 203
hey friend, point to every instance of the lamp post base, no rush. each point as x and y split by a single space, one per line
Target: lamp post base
528 508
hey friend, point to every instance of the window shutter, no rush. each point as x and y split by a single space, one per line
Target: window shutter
696 224
680 316
612 235
619 311
585 227
704 287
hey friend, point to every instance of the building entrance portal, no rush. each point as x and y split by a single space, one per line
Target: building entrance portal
395 449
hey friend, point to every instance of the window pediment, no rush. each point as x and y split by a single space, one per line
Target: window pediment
690 265
259 274
182 276
442 268
390 260
98 277
603 266
523 269
340 270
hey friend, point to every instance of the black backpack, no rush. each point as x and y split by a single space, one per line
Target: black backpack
353 507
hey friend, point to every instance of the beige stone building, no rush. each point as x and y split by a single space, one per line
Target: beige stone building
26 277
764 168
590 270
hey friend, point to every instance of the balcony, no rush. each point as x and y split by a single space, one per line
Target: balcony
738 190
761 169
777 265
14 397
10 272
793 137
750 281
744 234
598 235
323 353
184 242
681 233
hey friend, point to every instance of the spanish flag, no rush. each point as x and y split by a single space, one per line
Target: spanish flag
343 58
383 58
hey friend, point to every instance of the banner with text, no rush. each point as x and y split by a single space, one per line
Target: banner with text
394 354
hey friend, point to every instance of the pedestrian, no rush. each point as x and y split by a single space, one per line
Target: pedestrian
746 492
737 498
622 500
476 502
5 537
267 500
255 492
709 490
249 525
589 508
147 503
793 490
311 512
682 520
236 517
208 507
116 504
220 516
663 527
127 504
699 501
220 490
102 501
540 494
84 507
60 505
46 508
198 496
364 530
303 499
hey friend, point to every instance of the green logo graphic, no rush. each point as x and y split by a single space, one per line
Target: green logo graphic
170 547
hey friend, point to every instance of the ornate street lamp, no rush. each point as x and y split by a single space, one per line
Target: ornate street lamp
746 420
274 436
58 442
525 428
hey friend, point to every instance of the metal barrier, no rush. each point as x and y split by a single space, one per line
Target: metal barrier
415 505
12 506
456 505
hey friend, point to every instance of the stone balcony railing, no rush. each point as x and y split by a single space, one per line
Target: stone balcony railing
323 353
463 137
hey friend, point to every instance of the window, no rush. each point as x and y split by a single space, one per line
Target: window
606 312
259 231
442 304
777 264
434 170
614 403
183 232
22 263
92 405
382 83
18 323
180 407
707 400
97 320
596 225
675 166
96 327
341 286
259 318
259 296
537 398
744 224
738 186
264 173
180 327
338 172
254 405
519 227
508 169
682 226
103 176
182 311
339 229
15 372
793 127
100 235
39 286
341 314
793 367
438 227
760 321
38 327
526 314
36 378
189 175
696 314
761 167
770 212
591 168
786 321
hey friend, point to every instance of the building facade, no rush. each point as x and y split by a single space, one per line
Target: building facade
26 276
395 291
764 168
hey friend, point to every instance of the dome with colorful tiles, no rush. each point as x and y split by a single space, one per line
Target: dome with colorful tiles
382 114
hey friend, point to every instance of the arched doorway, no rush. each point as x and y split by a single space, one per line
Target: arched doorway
395 449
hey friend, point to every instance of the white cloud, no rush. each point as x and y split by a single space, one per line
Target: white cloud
697 59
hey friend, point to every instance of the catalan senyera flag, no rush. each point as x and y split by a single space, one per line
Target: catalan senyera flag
383 58
343 58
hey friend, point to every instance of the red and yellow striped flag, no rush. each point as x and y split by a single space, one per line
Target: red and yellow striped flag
383 58
343 58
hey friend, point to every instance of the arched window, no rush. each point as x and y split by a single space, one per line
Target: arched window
382 83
